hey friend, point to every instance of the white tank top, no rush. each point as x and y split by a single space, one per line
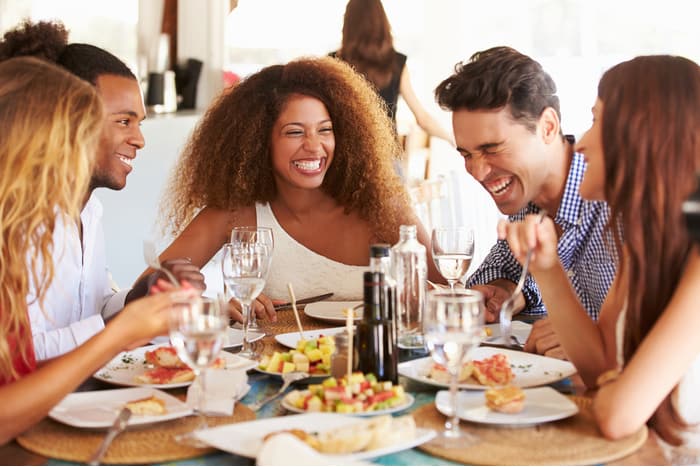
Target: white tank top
684 399
309 272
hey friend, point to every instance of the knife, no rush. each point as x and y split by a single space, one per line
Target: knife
117 427
305 301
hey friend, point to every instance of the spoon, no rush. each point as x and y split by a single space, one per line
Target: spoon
287 379
151 258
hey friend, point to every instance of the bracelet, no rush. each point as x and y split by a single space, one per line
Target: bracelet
608 377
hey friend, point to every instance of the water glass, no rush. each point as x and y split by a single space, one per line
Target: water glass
197 331
244 267
453 323
256 235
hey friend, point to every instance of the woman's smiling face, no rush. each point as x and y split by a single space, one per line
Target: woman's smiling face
302 142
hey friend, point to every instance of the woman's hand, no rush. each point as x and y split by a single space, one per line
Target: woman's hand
531 233
263 307
143 319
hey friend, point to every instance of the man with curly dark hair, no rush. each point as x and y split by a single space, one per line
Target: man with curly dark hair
307 149
81 299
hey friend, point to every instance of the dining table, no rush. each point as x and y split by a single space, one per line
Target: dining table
648 452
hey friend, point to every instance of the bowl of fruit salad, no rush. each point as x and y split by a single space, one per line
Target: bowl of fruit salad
363 395
312 356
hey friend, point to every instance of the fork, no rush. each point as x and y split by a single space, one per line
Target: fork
506 314
151 258
287 378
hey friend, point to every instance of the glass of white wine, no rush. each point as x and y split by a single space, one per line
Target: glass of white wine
453 323
453 249
197 331
256 235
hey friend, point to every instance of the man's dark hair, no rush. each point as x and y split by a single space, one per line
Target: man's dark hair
500 77
49 41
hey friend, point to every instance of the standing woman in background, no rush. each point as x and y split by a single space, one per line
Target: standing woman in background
369 47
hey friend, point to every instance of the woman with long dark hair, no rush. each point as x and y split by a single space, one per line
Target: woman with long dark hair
643 354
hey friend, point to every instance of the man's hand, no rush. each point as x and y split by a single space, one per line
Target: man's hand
495 293
182 268
544 341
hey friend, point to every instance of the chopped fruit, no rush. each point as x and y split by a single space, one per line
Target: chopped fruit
363 394
311 356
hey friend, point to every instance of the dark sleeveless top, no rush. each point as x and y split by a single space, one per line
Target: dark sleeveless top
390 92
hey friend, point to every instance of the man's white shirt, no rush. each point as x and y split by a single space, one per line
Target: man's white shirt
80 297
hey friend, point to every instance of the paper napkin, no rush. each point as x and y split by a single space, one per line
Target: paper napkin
224 388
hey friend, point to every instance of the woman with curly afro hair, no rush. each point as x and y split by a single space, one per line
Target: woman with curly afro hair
306 149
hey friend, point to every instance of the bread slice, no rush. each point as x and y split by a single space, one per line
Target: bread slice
147 406
165 357
508 399
493 371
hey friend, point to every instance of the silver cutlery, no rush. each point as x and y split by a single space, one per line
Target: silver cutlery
118 426
151 258
305 301
287 379
506 314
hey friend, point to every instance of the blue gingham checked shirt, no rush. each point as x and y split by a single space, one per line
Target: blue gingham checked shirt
589 263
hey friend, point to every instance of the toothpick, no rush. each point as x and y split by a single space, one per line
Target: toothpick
349 323
293 299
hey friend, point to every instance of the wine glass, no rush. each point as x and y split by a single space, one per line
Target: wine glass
452 324
453 249
197 331
244 266
258 235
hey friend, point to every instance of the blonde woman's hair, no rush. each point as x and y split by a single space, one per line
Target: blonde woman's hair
50 122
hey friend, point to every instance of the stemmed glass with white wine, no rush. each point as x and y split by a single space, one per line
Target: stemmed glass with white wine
452 324
244 266
197 331
258 235
453 249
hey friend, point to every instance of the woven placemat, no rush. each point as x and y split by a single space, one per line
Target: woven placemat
138 445
572 441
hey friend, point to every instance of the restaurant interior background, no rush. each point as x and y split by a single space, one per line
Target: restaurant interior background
575 40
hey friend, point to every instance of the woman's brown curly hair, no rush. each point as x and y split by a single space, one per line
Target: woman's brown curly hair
227 162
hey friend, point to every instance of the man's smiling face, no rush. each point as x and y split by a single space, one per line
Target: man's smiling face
121 135
506 157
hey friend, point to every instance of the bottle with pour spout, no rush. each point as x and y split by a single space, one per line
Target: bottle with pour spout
376 343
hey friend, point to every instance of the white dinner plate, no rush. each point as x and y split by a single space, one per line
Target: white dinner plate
99 409
529 369
246 439
332 311
519 329
125 367
290 339
541 405
406 404
234 338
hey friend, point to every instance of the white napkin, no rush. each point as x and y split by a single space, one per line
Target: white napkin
224 387
277 450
